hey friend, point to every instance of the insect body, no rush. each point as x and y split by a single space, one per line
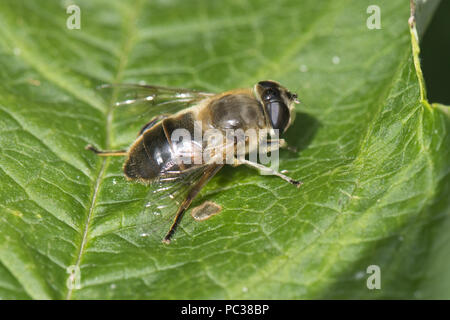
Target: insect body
155 154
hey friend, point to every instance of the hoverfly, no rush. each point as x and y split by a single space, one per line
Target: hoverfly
154 156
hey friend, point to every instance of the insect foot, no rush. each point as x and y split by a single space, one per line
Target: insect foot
296 183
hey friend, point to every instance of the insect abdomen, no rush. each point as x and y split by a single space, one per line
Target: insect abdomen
147 155
152 155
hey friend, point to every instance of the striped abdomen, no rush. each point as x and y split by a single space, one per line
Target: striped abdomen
153 154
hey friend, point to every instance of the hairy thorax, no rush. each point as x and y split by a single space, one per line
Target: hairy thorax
233 111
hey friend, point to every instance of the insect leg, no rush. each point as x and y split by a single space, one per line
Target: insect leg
268 170
103 153
207 175
281 143
288 147
284 144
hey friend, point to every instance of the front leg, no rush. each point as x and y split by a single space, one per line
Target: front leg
283 144
260 167
277 144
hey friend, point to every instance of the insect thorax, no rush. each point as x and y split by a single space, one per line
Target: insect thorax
233 111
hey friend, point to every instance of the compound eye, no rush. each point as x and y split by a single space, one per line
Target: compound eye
270 95
268 84
279 115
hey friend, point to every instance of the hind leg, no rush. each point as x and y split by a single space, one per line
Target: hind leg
103 153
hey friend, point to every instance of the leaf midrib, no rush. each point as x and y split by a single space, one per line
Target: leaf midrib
129 40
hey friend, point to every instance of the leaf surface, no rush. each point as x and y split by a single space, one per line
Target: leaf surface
373 154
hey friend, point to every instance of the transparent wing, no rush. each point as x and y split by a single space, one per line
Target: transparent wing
139 104
163 199
159 100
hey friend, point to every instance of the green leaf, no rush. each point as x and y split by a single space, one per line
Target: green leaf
373 154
